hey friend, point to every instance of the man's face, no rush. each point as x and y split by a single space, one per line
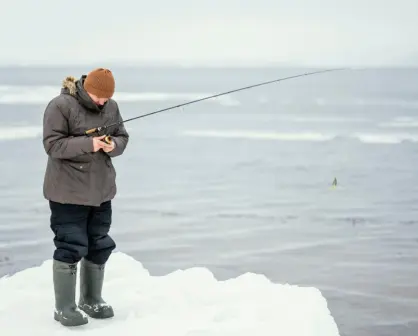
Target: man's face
97 100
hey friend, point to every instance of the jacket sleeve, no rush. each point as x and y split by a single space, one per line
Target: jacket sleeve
57 142
120 137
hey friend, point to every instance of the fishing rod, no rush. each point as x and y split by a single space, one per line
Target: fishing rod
98 130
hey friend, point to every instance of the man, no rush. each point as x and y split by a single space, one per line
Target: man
80 182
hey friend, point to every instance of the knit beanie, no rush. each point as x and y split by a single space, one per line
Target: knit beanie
100 82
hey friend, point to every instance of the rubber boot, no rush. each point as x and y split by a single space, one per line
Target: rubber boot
91 284
66 311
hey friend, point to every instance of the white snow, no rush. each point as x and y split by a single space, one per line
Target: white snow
186 302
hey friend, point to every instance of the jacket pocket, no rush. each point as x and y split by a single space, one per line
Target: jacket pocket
77 175
81 167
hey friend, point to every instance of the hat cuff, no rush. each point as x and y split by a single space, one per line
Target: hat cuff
97 92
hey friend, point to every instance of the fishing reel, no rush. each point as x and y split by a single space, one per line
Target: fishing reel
96 132
108 139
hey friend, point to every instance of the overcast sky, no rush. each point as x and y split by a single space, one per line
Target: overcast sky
303 32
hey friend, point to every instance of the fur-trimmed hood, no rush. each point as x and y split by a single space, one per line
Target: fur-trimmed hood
74 87
69 83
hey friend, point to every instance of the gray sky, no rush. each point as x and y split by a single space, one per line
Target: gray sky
305 32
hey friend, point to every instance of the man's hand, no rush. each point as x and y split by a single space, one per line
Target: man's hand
98 144
108 147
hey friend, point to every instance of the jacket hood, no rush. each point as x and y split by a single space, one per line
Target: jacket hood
74 87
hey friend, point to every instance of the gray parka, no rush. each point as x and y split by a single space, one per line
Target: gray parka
74 173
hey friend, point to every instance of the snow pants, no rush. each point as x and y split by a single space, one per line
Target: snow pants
81 232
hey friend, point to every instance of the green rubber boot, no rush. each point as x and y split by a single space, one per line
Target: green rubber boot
66 311
91 284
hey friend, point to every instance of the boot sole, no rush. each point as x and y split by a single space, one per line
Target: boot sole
104 314
68 322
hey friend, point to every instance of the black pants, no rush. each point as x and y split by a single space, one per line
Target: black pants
82 231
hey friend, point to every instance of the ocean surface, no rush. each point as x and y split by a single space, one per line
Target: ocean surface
243 183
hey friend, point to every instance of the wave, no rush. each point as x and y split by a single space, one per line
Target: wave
385 138
395 124
20 132
318 119
342 101
400 122
377 138
260 135
27 132
42 94
356 101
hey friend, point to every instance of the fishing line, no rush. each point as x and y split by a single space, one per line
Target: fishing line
99 129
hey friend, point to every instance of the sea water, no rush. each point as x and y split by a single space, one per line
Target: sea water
243 183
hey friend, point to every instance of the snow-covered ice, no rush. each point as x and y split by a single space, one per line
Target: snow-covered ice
186 302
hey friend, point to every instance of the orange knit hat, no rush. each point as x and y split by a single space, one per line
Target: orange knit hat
100 82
